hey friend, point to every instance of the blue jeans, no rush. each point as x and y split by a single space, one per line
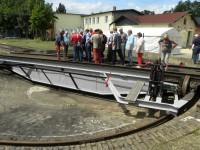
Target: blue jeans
195 54
123 49
65 51
130 57
88 52
165 57
114 57
195 57
78 53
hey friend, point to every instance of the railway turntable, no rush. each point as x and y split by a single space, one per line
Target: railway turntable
144 88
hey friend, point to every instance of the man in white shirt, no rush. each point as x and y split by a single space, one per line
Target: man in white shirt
139 48
66 44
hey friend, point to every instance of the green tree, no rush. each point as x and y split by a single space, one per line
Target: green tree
148 12
15 16
42 18
61 9
191 7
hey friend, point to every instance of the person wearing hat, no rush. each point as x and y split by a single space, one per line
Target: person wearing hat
166 46
196 48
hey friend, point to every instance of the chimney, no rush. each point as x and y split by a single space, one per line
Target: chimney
114 8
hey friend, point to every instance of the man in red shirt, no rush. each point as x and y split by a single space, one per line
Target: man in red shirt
76 39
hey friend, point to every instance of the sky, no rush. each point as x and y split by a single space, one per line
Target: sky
95 6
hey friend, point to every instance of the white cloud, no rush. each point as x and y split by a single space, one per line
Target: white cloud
162 8
82 8
88 7
157 8
74 6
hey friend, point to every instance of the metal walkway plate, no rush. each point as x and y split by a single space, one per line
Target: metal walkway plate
134 92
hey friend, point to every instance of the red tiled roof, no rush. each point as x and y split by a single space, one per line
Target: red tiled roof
133 18
161 18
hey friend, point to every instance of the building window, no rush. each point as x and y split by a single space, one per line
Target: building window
97 20
89 20
86 21
93 20
185 21
106 19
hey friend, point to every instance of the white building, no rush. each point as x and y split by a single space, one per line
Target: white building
103 20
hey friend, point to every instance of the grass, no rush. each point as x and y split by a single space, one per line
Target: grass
28 43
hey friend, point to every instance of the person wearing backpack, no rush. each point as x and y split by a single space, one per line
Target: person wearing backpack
103 44
109 43
166 46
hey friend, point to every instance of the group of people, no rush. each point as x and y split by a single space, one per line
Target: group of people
93 44
121 43
90 45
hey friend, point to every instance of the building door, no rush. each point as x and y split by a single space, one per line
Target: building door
188 44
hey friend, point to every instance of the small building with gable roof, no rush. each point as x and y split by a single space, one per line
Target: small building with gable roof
181 21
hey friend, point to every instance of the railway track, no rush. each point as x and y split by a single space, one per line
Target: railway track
56 142
174 71
51 55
